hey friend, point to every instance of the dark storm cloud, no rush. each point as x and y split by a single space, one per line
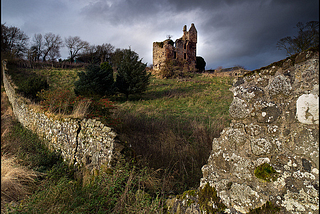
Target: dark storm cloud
230 32
122 11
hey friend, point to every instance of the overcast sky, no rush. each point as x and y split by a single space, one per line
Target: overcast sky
230 32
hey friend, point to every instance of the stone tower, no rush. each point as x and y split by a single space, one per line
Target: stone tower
183 50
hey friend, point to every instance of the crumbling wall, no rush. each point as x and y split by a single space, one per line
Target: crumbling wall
183 49
82 142
269 156
275 114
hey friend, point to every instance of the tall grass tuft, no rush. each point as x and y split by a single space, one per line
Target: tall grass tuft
16 181
81 109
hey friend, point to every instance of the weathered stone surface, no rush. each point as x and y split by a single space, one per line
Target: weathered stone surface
278 109
239 109
183 49
308 109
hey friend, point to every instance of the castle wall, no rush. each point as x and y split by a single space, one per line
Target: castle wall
184 49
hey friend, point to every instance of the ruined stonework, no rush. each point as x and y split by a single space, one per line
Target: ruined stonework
275 120
183 50
270 152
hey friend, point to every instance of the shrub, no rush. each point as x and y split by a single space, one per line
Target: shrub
65 102
57 101
101 108
96 81
32 85
132 77
200 64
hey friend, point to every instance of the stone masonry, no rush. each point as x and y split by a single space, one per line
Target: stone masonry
83 142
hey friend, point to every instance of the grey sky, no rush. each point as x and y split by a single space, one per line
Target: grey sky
230 32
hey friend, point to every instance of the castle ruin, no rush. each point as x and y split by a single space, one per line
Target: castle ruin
183 50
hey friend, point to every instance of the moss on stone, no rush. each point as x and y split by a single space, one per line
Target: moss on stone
209 201
265 172
189 193
160 44
268 207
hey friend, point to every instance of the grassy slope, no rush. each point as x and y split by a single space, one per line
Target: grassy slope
170 127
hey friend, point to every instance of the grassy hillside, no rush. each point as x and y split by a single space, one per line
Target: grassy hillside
170 129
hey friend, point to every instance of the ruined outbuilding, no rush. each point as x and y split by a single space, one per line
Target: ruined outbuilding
182 50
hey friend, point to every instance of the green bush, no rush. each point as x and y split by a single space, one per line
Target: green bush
200 64
32 85
96 81
132 77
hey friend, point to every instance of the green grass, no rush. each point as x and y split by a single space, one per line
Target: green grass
172 125
199 98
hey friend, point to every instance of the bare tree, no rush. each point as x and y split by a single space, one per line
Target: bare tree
308 36
104 51
52 43
37 46
90 51
13 40
75 45
53 54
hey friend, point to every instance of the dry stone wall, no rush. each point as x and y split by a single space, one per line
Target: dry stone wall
275 115
270 152
83 142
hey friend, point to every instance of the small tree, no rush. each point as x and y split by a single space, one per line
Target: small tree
132 77
200 64
96 81
308 36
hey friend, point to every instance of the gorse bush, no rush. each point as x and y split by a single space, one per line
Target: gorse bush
102 109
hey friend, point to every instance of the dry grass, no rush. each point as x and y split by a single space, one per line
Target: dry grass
80 110
16 181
